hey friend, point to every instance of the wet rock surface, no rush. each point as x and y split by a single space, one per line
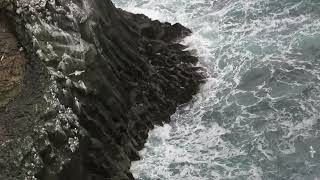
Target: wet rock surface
97 79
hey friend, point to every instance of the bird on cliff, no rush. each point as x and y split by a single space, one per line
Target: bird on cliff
4 52
77 103
76 73
312 152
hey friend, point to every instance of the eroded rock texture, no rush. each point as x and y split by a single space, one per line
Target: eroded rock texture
97 80
12 64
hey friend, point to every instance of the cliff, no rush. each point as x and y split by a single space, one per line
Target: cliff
81 84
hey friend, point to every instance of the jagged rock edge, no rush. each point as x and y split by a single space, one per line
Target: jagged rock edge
55 113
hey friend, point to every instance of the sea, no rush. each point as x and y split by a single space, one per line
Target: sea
258 115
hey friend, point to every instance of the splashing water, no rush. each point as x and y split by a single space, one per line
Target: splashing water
257 117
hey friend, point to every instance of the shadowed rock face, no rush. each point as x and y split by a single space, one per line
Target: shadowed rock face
97 80
12 63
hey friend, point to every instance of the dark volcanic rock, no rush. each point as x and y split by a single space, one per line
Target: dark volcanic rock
97 79
12 63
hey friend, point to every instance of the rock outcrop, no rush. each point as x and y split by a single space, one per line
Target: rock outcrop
96 79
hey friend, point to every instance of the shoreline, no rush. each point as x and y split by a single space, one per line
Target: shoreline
97 80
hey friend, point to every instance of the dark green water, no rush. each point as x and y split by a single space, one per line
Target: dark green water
258 116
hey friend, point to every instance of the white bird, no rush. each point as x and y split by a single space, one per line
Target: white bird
68 82
76 73
82 85
4 52
65 92
312 152
77 103
2 57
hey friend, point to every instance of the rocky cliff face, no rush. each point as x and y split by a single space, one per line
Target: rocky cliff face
96 79
11 63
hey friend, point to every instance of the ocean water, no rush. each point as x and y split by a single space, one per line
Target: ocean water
258 115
